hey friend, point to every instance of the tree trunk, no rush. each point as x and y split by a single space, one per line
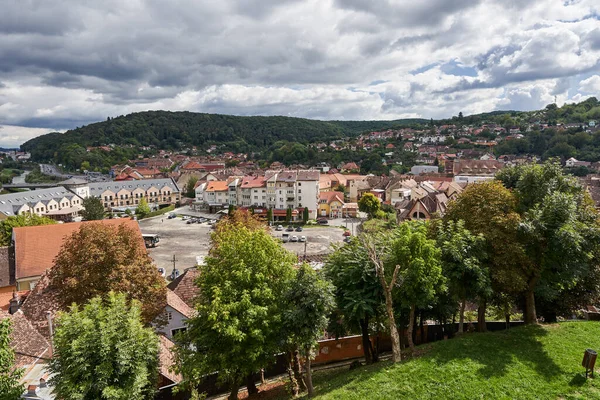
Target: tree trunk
461 316
411 326
366 342
309 384
293 382
251 385
262 376
298 371
507 316
481 326
389 307
421 324
234 391
530 316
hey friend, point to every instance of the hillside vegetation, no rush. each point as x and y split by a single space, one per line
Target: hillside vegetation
530 362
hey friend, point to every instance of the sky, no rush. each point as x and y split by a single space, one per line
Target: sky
67 63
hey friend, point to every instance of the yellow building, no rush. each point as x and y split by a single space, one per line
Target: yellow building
331 204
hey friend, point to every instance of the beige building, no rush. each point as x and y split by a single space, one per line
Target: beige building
128 194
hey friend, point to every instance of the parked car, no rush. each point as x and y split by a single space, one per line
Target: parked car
303 238
171 216
279 228
285 237
175 274
189 221
162 272
347 233
299 229
294 238
290 228
322 222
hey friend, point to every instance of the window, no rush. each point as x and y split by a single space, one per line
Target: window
299 183
169 315
176 331
299 198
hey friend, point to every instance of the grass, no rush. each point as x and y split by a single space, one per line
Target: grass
160 211
532 362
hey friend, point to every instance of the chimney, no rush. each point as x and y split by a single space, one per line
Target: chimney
14 303
32 390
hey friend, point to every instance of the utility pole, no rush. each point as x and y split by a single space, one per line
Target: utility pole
175 273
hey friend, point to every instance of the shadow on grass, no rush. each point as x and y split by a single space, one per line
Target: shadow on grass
578 380
497 355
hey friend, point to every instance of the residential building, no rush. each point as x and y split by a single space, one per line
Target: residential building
177 312
216 194
36 247
572 162
331 204
54 201
124 195
423 169
470 171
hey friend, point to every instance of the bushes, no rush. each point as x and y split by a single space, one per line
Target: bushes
160 211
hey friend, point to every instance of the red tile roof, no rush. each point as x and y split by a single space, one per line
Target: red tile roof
184 286
166 359
36 247
27 342
178 304
331 196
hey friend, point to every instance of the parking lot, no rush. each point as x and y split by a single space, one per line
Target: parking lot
188 241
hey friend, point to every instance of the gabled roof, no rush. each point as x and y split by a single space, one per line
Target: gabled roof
308 175
29 345
217 186
331 196
38 302
249 182
184 286
179 305
166 360
476 167
36 247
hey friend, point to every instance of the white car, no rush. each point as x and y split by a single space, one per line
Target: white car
162 272
294 238
303 238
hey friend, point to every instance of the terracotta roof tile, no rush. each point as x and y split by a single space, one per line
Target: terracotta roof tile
36 247
178 304
27 342
166 359
40 300
184 286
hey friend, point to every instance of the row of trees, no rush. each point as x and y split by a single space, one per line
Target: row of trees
528 240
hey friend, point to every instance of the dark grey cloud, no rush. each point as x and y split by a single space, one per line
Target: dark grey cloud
75 61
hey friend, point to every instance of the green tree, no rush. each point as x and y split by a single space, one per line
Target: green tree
189 190
270 215
85 166
489 209
238 324
288 215
92 209
417 262
358 292
462 255
7 225
143 208
340 188
309 302
305 215
559 230
103 351
370 204
100 258
10 388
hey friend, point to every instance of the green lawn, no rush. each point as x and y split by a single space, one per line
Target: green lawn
535 362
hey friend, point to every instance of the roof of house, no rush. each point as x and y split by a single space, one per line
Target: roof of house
217 186
249 182
166 360
184 286
331 196
308 175
97 188
36 247
38 302
6 274
477 167
29 345
179 305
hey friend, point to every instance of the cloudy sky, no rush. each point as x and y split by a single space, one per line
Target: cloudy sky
66 63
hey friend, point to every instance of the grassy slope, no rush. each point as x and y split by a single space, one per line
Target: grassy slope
540 362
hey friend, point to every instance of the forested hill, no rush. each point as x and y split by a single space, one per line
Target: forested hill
175 130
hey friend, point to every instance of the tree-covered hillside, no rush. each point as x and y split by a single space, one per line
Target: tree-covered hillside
176 130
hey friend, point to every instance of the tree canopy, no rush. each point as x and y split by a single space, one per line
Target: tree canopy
369 204
100 258
10 388
103 351
92 209
7 225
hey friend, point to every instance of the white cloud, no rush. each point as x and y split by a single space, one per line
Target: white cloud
590 85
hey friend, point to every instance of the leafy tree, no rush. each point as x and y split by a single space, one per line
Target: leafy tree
103 351
358 292
240 217
143 208
7 225
309 302
10 388
305 215
489 209
100 258
417 262
559 230
189 190
288 215
270 215
238 325
462 254
340 188
370 204
92 209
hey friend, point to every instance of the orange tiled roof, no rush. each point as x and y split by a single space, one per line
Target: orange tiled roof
184 286
331 196
179 305
36 247
27 342
166 361
217 186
